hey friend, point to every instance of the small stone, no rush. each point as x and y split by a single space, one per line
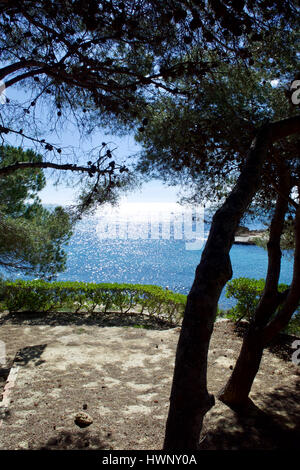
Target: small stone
53 441
3 411
230 367
84 407
83 420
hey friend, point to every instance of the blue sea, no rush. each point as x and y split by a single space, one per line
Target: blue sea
93 257
164 262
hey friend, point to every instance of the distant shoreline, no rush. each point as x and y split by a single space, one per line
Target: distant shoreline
247 237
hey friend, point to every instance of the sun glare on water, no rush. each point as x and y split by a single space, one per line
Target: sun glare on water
165 221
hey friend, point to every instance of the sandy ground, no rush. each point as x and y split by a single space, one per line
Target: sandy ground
121 376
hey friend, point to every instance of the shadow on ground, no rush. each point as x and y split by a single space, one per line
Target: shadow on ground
273 425
280 346
23 357
80 319
30 354
66 440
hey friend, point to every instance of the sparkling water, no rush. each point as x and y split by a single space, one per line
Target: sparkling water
163 260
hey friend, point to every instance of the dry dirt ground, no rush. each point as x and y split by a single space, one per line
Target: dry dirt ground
120 374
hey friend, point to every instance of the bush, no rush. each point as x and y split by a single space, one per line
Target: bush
42 296
247 292
2 286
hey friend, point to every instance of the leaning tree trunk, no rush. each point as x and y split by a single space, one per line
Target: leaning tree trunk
235 394
236 391
292 300
190 400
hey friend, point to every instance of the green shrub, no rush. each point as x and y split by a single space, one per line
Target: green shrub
42 296
2 287
293 327
247 292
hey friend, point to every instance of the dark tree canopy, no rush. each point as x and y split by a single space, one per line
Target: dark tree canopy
202 142
32 238
102 62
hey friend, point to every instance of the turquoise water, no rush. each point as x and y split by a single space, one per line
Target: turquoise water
164 262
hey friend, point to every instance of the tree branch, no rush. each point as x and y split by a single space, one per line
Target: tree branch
23 165
18 66
17 79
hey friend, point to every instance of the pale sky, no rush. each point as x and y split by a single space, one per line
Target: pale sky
126 146
153 191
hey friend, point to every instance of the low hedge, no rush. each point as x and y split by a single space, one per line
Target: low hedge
247 292
42 296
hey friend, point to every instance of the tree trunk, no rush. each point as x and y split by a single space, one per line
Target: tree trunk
292 300
236 391
190 400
